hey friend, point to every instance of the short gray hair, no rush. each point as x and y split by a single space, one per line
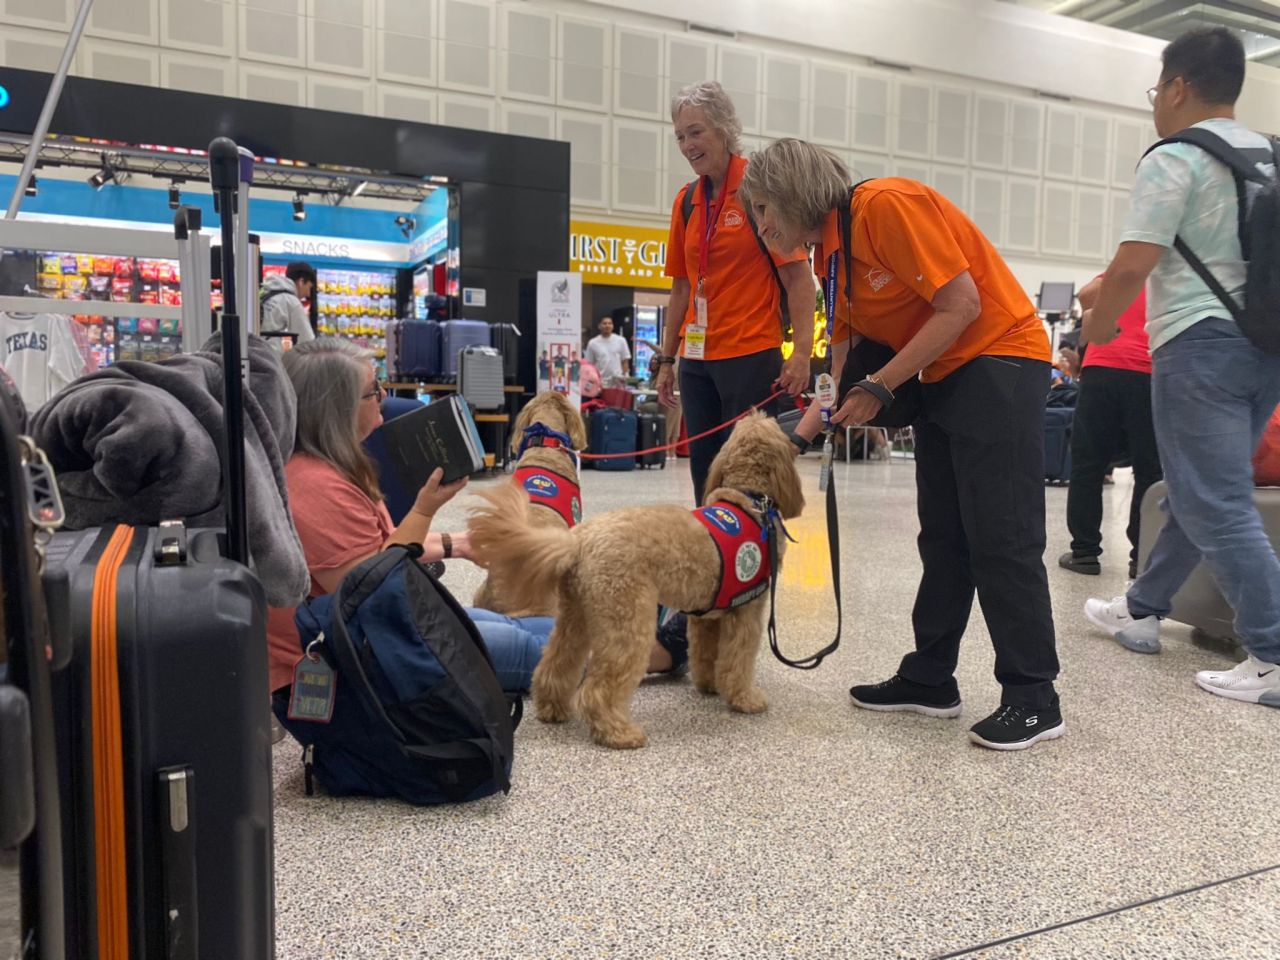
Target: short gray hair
328 377
716 106
799 183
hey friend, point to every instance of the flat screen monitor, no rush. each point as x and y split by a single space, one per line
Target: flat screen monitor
1057 297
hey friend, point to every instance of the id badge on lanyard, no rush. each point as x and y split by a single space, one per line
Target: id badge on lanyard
695 334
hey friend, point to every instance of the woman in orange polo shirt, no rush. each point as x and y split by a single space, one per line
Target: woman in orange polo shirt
927 283
725 315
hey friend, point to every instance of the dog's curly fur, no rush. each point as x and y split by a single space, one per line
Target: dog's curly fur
611 573
556 412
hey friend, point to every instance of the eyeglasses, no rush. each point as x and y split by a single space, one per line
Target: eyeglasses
1151 94
376 394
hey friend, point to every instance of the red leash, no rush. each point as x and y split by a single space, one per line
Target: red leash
672 446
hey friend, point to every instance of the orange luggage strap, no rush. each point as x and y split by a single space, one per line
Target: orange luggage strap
108 756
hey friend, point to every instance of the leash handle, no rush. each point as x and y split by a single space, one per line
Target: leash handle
833 542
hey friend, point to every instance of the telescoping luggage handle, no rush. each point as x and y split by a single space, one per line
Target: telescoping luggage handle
228 167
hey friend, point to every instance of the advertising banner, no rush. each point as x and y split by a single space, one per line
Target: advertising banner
560 333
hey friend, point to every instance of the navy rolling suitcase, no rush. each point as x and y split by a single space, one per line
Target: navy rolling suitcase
456 335
419 349
1057 443
158 709
651 432
613 431
505 338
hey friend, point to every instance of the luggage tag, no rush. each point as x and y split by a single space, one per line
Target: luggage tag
826 394
312 696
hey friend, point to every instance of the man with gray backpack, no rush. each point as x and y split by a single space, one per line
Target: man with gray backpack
1204 227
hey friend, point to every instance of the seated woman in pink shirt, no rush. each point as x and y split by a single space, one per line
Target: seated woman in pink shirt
339 513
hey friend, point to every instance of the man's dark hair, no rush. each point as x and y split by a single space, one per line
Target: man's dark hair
300 270
1211 59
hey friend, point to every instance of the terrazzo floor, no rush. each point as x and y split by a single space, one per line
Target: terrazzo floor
817 830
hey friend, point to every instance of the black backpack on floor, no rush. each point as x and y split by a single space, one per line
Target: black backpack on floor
1259 316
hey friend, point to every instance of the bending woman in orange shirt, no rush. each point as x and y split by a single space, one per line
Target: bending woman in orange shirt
725 317
928 284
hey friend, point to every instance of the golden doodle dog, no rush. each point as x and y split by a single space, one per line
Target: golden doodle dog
547 475
689 560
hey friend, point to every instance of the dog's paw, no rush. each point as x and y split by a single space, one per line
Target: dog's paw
551 712
630 737
749 701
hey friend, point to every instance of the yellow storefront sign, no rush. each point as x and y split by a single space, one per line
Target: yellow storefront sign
620 255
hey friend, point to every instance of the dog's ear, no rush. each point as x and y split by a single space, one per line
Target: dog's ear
784 477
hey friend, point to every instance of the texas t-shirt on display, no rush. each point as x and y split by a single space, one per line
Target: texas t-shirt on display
40 353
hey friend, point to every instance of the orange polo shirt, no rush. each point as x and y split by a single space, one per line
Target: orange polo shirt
743 301
909 240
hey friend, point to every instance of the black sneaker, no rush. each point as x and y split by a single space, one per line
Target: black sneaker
1086 565
1016 728
898 694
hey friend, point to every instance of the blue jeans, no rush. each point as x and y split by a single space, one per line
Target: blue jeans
515 646
1212 394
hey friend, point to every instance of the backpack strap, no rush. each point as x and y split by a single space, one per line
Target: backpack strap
1243 161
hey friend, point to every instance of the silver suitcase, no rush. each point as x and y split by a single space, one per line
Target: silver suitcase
1199 602
480 377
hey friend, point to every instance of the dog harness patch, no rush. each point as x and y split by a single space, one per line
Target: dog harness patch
744 559
546 488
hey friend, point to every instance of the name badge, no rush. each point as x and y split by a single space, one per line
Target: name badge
695 341
826 391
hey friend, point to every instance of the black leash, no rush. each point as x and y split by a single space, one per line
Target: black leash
845 218
833 542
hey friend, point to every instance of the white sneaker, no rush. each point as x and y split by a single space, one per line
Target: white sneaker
1253 681
1141 635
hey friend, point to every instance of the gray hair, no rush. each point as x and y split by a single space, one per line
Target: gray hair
716 107
799 183
328 377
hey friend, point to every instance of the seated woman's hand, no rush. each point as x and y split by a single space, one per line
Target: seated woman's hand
435 494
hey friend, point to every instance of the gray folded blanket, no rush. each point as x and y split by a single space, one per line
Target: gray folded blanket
140 442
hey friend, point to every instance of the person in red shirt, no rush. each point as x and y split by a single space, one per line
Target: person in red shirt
924 281
725 317
1113 417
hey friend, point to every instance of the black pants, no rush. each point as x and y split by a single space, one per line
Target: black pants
980 488
1113 416
713 391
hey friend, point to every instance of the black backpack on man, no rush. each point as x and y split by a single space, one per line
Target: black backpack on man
1259 316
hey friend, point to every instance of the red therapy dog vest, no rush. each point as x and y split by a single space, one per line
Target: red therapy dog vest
546 488
744 555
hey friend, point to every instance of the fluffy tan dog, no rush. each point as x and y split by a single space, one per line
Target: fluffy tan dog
612 572
553 411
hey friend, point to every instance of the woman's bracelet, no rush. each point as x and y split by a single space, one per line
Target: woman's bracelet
446 542
660 359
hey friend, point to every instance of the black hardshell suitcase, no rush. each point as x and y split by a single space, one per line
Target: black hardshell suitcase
505 338
191 673
651 432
